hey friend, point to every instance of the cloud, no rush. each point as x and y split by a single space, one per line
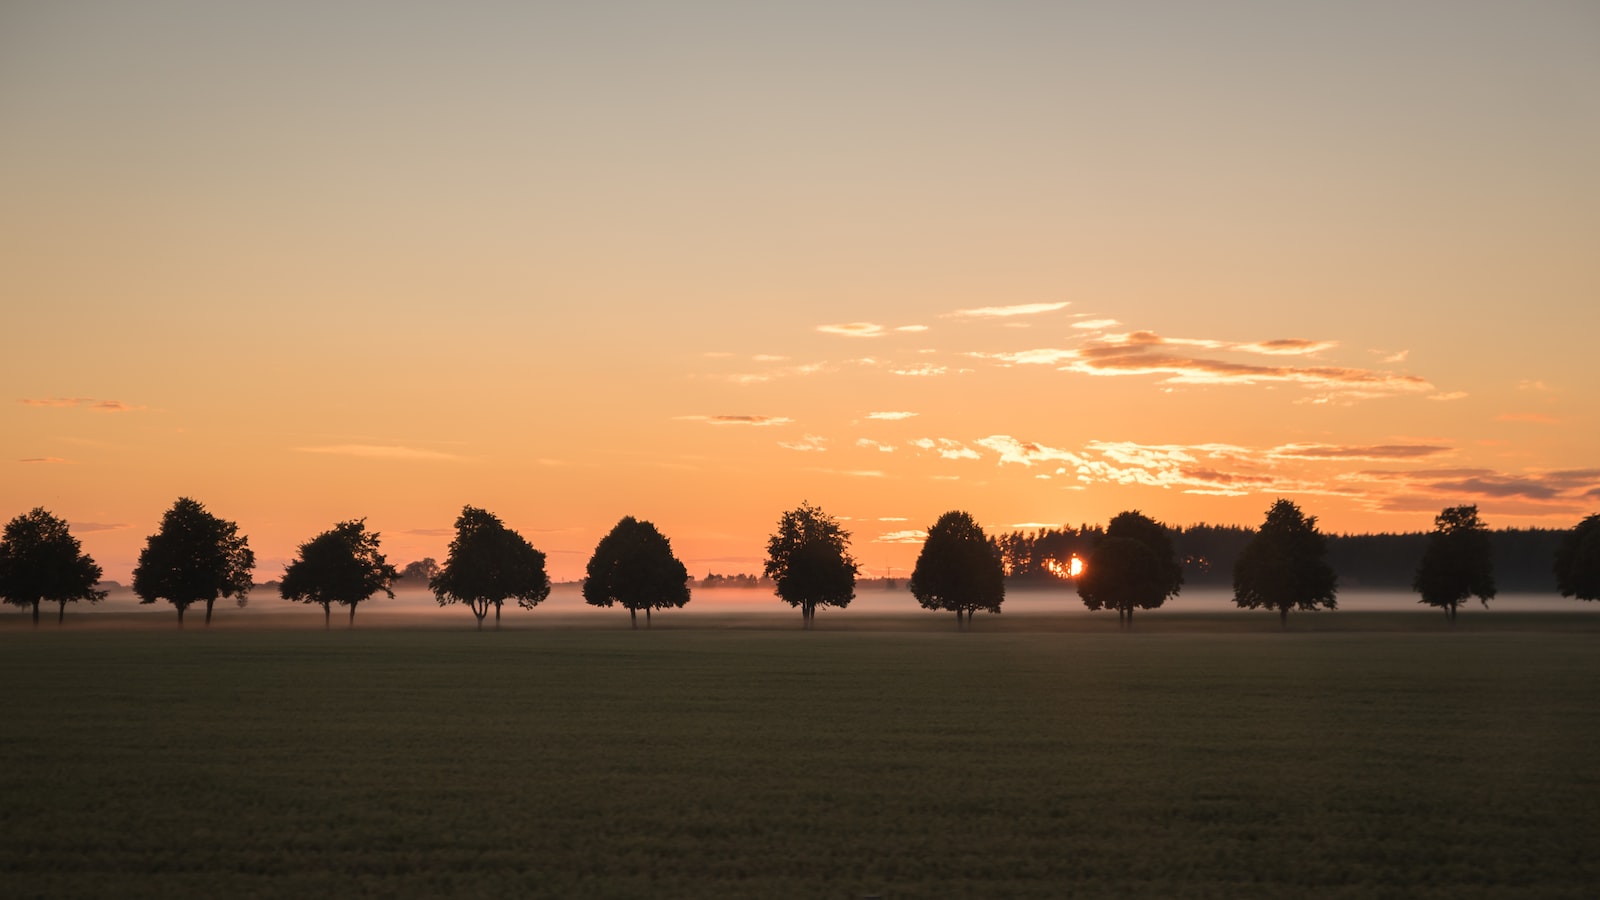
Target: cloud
1445 398
1529 384
429 532
874 445
893 519
1025 453
1397 357
381 451
892 416
1291 347
1096 324
1046 356
49 460
912 329
1001 312
852 473
1531 418
89 402
758 421
853 329
806 443
1377 452
923 371
87 527
901 537
768 357
946 448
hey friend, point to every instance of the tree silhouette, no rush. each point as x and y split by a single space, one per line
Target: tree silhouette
1284 566
1456 564
421 571
489 563
809 560
193 557
959 569
1577 561
342 565
1117 576
633 565
40 561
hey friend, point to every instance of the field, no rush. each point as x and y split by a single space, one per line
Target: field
1195 759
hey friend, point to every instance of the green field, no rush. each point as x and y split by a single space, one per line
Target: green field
1189 761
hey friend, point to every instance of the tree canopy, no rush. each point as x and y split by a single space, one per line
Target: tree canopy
41 562
959 569
342 565
194 557
1577 561
1119 576
808 559
1284 566
1456 564
633 565
489 564
420 571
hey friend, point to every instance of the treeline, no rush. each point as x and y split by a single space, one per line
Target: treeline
1207 553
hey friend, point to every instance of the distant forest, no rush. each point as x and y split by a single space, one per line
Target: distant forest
1522 557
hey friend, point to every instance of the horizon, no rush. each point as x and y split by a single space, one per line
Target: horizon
698 265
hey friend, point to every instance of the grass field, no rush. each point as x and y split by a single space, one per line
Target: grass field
1189 761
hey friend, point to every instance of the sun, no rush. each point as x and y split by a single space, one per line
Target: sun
1072 568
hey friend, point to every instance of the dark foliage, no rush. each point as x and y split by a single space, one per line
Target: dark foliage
342 565
1043 556
489 564
41 562
1457 563
633 566
808 559
959 569
1117 577
421 571
1284 565
1577 561
194 557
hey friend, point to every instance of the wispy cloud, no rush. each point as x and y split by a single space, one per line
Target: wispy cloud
1374 452
871 444
911 328
429 532
910 536
1026 453
113 406
853 329
891 416
923 371
759 421
851 473
810 442
1096 324
87 527
1002 312
50 460
383 451
1530 418
946 448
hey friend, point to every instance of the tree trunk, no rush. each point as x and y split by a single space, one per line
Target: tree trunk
352 616
647 618
61 614
181 610
36 614
633 618
327 615
208 611
1283 617
497 617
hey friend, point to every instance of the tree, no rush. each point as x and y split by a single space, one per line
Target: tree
420 572
194 557
1284 565
633 565
41 562
1456 563
488 564
809 560
1577 561
1118 576
959 569
342 566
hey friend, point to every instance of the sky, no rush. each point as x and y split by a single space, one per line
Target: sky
700 262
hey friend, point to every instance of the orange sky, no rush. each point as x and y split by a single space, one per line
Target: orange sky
698 265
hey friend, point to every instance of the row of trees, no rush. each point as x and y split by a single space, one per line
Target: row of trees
196 557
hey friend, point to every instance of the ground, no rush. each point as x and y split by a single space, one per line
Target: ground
1381 757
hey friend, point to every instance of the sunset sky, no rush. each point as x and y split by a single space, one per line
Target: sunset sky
698 262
